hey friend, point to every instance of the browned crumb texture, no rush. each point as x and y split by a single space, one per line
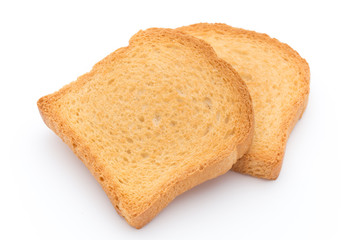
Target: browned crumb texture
153 120
278 81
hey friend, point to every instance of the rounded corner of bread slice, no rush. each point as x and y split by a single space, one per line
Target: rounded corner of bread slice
155 119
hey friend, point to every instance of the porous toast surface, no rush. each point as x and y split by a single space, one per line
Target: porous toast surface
154 119
278 80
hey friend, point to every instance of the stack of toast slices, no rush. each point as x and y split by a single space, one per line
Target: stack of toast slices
178 107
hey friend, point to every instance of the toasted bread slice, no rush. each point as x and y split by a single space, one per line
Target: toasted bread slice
278 81
153 120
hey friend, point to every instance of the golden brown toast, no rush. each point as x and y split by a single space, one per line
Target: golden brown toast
278 81
153 120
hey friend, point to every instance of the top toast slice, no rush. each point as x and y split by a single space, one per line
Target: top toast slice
278 81
153 120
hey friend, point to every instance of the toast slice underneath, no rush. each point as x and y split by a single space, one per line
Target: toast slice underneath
153 120
278 81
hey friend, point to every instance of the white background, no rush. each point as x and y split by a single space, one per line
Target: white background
47 193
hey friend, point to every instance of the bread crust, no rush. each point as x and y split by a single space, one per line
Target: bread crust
193 176
267 164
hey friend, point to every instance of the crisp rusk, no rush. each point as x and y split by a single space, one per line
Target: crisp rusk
278 80
153 120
